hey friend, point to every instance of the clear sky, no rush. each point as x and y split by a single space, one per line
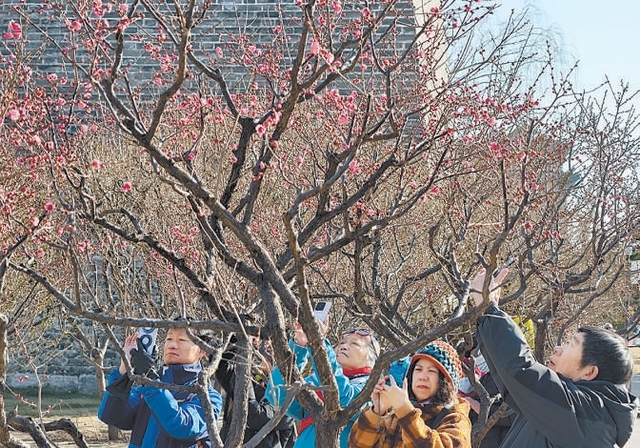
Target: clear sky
603 35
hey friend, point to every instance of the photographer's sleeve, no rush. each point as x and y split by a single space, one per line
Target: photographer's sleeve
225 373
116 411
184 420
276 387
528 386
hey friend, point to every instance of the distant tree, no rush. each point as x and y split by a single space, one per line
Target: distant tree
188 169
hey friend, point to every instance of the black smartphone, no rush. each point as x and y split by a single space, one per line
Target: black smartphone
148 338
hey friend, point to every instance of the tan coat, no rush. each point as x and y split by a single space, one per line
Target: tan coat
407 427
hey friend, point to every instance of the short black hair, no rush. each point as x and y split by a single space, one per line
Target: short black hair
609 352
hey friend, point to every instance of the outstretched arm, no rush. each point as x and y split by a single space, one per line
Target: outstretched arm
546 400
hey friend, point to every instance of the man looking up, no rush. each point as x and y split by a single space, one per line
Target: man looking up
157 417
578 399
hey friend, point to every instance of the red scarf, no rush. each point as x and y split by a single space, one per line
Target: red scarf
349 373
357 373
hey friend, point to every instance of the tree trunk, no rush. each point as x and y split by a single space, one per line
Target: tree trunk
327 434
6 439
541 338
114 433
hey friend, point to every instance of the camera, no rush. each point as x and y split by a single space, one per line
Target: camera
321 310
147 337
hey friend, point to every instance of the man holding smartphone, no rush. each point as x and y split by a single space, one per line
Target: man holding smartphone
351 363
157 417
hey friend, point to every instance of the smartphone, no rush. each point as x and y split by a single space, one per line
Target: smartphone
147 336
321 310
506 264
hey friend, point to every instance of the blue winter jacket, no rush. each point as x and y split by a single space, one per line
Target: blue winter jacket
159 418
348 390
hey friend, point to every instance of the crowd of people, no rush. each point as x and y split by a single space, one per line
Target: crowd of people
580 397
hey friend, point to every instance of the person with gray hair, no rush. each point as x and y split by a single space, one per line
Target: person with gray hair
351 361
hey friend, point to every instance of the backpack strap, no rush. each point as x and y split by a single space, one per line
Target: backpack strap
433 424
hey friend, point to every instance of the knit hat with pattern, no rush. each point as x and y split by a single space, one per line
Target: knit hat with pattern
445 358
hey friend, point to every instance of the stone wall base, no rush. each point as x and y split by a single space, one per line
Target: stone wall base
79 383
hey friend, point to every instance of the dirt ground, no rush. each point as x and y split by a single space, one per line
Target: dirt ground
94 431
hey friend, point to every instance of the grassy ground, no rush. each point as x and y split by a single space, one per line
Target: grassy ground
55 403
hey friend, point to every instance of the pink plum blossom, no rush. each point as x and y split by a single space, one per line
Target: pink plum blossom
13 114
354 167
14 31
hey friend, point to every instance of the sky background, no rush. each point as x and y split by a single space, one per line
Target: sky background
603 35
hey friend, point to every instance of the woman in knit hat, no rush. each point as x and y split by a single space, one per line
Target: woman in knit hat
425 411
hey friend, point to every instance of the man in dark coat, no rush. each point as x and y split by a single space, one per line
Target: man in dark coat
259 410
578 399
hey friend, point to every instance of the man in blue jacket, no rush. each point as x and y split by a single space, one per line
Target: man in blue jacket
159 418
578 399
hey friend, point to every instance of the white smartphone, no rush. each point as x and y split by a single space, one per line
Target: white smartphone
321 310
147 336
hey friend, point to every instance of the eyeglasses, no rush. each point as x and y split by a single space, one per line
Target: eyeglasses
363 332
360 332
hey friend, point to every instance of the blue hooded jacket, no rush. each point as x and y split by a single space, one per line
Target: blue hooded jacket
348 390
159 418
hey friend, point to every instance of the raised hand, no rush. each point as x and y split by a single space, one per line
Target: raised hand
494 287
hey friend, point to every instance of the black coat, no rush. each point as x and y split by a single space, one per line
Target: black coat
499 430
553 411
259 411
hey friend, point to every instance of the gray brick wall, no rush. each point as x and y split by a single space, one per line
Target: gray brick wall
223 21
